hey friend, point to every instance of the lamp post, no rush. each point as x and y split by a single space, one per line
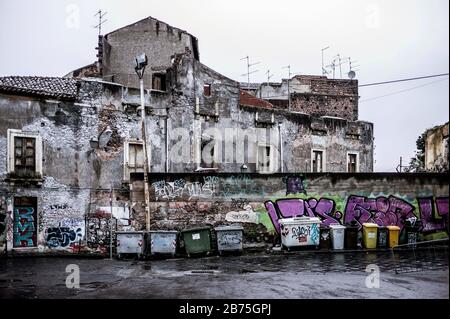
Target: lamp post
141 62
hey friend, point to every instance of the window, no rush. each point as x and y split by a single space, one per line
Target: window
207 90
133 158
317 161
352 162
208 151
159 81
24 154
264 159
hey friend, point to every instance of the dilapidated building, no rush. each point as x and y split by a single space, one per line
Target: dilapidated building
72 157
437 149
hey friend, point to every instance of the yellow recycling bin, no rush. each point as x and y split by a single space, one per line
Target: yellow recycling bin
394 234
370 235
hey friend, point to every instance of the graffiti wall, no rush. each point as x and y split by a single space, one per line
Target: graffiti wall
25 222
3 223
252 199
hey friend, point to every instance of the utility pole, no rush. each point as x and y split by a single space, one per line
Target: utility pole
110 223
140 64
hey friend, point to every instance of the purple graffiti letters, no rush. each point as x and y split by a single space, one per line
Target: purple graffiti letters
295 207
294 185
383 211
433 213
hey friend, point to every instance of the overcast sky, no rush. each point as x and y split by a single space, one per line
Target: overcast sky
389 39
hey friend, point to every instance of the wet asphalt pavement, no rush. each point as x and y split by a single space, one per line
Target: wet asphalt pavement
304 275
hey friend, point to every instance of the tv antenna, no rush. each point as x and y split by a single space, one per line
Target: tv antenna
268 76
324 71
351 72
249 65
100 21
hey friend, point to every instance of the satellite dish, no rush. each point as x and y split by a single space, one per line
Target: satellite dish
351 74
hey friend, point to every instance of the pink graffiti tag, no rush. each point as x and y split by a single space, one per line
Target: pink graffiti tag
433 220
383 211
296 207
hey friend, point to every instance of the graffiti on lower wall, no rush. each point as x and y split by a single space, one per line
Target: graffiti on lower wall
62 236
244 216
381 210
3 220
69 233
24 227
434 213
180 188
295 184
324 209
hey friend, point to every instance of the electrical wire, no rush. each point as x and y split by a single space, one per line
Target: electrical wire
404 80
401 91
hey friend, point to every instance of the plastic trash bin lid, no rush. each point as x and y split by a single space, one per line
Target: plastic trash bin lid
163 231
228 227
393 227
195 229
299 220
337 226
129 232
370 225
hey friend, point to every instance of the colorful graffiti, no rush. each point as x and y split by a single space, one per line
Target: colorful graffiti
301 235
24 227
62 236
240 185
180 188
295 184
2 219
381 210
324 209
433 214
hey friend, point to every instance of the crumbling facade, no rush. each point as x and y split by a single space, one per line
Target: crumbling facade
437 149
71 149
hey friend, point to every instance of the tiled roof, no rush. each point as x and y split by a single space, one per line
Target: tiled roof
53 87
250 100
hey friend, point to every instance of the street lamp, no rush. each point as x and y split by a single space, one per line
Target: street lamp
140 62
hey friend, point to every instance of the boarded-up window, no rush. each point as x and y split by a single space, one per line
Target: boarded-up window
264 158
207 90
208 152
159 81
136 157
133 158
24 154
352 163
317 161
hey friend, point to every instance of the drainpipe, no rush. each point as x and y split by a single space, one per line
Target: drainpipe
280 138
167 142
110 224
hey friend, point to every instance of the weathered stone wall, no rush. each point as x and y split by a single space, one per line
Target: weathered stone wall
315 95
157 39
258 201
